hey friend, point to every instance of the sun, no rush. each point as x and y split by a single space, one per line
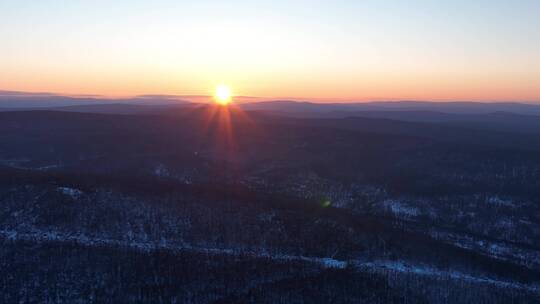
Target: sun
222 94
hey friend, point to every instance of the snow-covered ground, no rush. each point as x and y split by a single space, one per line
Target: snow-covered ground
325 262
497 249
53 236
425 270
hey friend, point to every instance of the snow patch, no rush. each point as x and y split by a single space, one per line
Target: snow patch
400 208
331 263
71 192
495 200
161 171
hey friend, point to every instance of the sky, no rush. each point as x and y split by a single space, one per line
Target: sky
321 50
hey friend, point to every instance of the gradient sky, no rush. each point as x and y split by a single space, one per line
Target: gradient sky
346 50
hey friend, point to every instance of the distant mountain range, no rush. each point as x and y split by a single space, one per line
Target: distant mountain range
340 109
10 100
416 110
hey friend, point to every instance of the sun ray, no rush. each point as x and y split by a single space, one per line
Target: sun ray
221 124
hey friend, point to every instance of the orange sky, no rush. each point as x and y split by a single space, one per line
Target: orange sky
347 51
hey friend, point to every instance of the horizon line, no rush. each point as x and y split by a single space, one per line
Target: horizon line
182 97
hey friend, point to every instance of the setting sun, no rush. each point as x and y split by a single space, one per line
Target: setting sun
223 94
